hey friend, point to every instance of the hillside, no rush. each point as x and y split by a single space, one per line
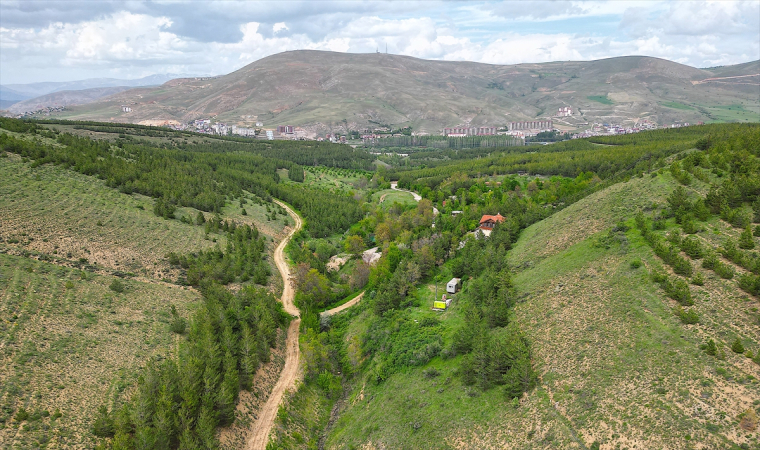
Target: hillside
337 91
614 306
64 98
640 336
87 295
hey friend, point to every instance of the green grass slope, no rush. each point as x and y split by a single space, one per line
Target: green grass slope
69 342
617 366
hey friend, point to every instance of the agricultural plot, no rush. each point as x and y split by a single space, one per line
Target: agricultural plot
336 180
387 197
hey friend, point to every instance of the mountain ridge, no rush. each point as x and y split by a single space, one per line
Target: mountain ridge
329 91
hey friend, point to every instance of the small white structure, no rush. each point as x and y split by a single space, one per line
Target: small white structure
454 285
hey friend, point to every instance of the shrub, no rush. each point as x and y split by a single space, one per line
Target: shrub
682 266
658 277
710 348
710 261
692 247
178 324
749 283
746 240
431 373
688 317
636 263
21 415
117 286
698 279
104 424
678 290
724 270
737 346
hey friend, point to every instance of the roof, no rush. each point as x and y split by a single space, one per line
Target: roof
496 218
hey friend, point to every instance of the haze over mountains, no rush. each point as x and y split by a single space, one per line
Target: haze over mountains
338 91
12 94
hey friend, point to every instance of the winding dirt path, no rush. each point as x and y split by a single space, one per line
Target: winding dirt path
263 425
290 372
346 305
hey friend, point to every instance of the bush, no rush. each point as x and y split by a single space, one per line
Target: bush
636 263
678 290
698 279
431 373
692 247
104 424
688 317
117 286
724 270
737 346
21 415
746 240
710 261
178 324
710 348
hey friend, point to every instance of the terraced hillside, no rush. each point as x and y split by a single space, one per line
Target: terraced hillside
88 297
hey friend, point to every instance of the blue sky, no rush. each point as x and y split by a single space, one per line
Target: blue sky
69 40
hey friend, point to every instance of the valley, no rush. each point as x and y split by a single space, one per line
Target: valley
613 305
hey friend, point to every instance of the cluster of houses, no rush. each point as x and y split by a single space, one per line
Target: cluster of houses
607 129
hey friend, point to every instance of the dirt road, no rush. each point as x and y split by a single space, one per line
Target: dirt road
346 305
260 432
417 197
262 427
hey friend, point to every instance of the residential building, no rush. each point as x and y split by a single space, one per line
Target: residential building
540 124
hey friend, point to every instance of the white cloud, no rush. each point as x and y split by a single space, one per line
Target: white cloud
137 41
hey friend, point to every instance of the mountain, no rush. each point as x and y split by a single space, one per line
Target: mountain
64 98
10 96
339 91
32 90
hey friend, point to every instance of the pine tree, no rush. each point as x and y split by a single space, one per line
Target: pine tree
711 349
746 241
737 346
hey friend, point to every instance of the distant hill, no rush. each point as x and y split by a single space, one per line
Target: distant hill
11 94
32 90
64 98
339 91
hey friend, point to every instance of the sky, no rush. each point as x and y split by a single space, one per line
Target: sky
71 40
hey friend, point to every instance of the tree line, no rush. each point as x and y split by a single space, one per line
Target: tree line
202 176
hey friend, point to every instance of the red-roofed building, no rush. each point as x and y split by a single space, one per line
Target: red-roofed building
488 222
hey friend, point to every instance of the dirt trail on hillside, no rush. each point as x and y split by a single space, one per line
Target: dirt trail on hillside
346 305
290 372
262 426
